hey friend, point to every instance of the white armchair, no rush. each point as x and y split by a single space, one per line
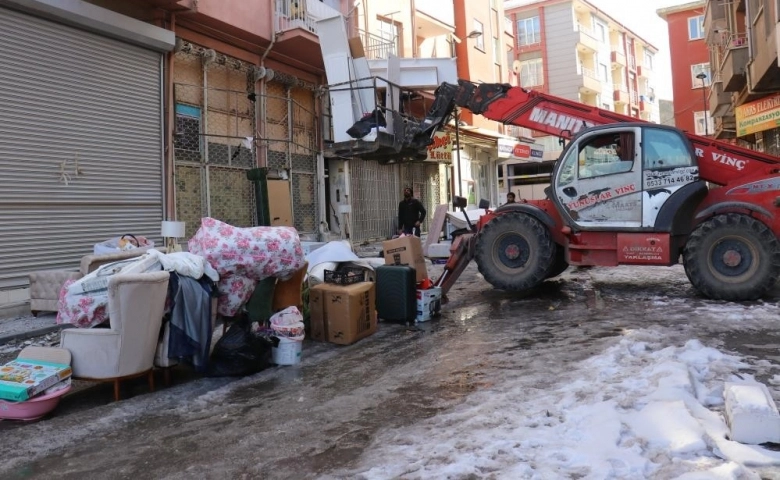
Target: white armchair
135 306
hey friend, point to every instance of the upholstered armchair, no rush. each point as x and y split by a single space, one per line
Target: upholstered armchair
45 285
126 349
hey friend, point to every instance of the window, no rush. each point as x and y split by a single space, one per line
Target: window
648 59
701 128
496 51
601 31
606 154
186 141
696 28
389 32
603 72
480 40
531 73
621 45
528 31
663 149
697 69
510 56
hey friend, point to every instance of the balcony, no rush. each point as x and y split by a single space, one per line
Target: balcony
725 127
587 41
434 18
295 26
718 100
297 14
620 94
376 47
714 21
643 71
732 68
631 60
618 58
646 103
591 84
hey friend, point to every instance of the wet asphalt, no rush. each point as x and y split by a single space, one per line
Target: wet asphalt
317 418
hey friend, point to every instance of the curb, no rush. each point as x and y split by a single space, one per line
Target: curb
12 337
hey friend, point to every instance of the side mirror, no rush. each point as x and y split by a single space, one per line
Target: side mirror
484 204
459 202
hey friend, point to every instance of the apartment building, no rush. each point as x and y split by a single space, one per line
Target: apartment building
574 50
118 114
484 38
692 79
744 98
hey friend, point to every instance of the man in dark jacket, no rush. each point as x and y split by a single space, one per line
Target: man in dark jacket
411 214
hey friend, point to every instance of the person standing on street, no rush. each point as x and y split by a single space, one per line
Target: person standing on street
411 214
510 198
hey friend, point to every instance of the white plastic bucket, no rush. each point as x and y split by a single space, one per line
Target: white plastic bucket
288 352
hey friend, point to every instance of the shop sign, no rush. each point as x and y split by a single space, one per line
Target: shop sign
441 148
757 116
508 148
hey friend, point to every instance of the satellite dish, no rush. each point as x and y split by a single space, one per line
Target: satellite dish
517 66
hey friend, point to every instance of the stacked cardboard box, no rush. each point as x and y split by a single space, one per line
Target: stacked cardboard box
342 314
406 251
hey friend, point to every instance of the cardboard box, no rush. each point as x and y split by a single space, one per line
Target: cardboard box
406 251
342 314
428 304
22 379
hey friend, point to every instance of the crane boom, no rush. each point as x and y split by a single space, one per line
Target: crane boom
720 163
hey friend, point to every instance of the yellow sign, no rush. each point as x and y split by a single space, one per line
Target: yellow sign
759 115
441 148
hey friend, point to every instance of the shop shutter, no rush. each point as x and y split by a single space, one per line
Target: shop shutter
80 143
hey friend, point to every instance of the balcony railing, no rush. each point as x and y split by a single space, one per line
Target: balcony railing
588 38
588 72
303 14
508 27
376 47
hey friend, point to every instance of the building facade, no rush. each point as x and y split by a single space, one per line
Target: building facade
361 194
118 114
571 49
743 37
692 76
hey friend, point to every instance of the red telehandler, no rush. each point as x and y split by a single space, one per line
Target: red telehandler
623 192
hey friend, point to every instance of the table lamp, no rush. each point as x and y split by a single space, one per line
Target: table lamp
171 231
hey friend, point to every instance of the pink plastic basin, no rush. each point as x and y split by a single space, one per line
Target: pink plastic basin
32 409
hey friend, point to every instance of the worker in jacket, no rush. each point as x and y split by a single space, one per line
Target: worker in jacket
411 214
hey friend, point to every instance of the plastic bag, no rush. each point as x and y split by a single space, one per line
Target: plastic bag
288 323
241 352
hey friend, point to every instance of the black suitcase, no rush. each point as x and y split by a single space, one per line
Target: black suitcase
396 293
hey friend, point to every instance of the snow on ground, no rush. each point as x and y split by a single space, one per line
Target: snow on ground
634 411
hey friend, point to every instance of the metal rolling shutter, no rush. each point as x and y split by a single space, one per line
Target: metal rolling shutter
73 99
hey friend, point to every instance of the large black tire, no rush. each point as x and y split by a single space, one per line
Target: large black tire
732 257
514 252
559 264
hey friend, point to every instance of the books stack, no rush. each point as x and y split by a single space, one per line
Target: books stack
22 379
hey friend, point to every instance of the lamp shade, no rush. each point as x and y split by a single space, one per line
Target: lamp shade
172 229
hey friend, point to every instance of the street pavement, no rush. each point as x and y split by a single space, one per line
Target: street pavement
325 417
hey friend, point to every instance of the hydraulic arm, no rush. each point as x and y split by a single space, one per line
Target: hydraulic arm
719 162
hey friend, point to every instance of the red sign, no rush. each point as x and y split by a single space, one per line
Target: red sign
521 151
